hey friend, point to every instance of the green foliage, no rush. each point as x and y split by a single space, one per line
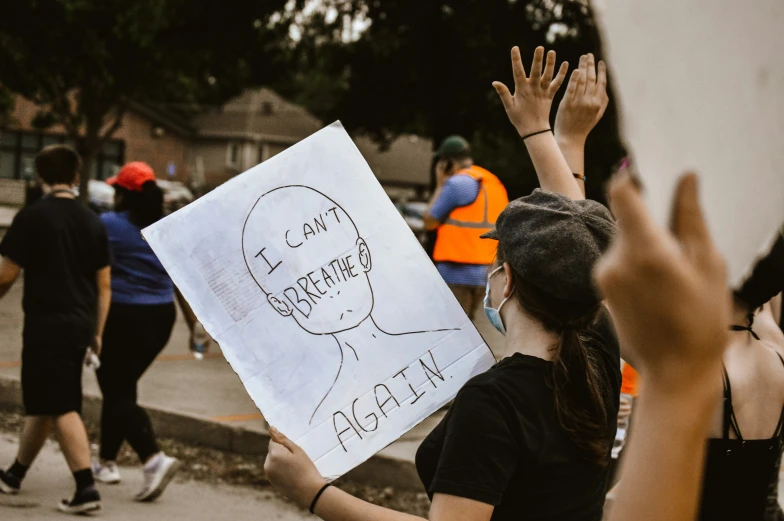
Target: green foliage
83 60
426 67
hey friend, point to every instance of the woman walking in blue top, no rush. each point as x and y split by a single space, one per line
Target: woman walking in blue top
140 322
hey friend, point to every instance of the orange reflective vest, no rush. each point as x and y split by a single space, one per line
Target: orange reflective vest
459 236
629 383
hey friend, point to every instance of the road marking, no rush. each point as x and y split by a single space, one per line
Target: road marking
238 417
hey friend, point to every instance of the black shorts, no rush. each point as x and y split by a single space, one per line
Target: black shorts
52 379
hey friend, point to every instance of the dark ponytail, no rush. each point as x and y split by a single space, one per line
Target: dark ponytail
144 207
580 384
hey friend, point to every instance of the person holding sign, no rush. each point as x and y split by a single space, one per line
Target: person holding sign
530 437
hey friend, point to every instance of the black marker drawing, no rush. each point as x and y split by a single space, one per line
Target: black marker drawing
314 269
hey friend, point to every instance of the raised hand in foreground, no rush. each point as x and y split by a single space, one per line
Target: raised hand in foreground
668 296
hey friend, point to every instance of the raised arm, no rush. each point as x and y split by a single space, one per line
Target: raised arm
670 302
529 111
581 108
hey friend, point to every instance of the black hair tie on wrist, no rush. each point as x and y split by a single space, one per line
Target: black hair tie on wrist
318 495
532 134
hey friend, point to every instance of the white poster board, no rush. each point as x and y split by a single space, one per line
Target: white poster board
322 300
701 87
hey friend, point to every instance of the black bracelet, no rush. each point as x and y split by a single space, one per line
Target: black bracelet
318 495
537 133
581 177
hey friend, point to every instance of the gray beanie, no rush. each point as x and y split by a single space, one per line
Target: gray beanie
554 242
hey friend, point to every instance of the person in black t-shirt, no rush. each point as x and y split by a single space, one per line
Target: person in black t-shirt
63 249
531 437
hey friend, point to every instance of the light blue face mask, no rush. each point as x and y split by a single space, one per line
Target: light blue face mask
494 315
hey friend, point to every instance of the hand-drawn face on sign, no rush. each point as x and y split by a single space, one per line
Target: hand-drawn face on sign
313 269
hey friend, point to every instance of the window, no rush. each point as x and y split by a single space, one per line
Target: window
233 155
9 145
109 160
18 150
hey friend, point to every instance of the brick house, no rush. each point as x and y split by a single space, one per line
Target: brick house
209 149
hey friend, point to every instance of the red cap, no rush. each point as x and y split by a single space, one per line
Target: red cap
132 176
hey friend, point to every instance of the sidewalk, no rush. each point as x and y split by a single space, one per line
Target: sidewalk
7 214
49 481
204 402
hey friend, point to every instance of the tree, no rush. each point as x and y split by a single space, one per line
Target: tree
426 68
84 61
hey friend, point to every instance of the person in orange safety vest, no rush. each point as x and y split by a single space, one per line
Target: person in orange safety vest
465 204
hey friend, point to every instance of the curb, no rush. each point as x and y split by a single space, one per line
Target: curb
378 471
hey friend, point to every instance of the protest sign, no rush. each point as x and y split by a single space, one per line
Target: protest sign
700 88
322 300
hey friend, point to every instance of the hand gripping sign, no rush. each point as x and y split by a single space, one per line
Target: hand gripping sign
322 300
700 87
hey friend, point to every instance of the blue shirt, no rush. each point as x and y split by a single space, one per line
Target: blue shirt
138 277
459 190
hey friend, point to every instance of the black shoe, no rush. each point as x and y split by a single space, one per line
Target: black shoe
9 484
83 502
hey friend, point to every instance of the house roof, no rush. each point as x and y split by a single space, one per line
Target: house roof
158 114
257 115
406 162
262 115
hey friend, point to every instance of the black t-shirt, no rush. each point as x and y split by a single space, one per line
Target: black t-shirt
501 443
61 245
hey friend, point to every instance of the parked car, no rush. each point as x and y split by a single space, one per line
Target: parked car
413 213
100 196
175 195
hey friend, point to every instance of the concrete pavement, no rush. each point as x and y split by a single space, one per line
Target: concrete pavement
49 481
7 214
204 402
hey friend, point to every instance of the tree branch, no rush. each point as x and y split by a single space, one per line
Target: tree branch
61 107
117 123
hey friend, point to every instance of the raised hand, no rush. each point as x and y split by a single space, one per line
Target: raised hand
529 107
584 102
667 290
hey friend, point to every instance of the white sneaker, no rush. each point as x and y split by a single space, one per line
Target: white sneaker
106 473
158 473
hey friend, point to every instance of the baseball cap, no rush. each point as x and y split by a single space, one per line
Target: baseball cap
132 176
554 242
453 146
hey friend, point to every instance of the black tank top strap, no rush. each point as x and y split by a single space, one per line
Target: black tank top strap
729 420
727 409
780 426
